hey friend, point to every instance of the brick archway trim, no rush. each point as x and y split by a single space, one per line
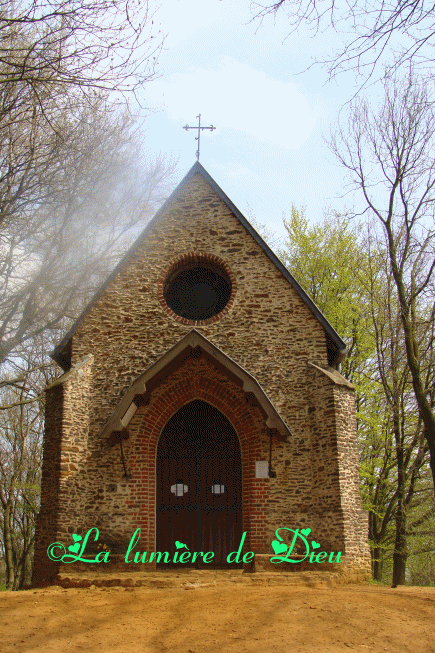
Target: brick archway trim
229 400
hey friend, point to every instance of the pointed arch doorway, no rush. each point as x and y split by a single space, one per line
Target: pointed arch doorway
199 484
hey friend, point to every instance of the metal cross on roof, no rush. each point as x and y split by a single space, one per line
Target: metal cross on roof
199 127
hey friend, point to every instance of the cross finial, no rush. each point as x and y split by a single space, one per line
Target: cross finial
199 127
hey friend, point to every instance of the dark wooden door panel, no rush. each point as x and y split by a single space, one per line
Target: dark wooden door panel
176 510
199 489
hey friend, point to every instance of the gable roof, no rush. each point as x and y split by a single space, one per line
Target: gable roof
174 357
336 346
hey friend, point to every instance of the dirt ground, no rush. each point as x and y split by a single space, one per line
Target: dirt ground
223 618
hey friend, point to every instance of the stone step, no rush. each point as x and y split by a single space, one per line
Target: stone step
194 579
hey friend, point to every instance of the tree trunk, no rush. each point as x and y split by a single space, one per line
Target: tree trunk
29 565
377 563
400 554
9 558
412 354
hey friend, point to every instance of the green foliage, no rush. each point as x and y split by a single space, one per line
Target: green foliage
329 261
421 534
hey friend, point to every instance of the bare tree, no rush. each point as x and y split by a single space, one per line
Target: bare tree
376 30
21 428
402 423
60 62
78 44
389 156
70 198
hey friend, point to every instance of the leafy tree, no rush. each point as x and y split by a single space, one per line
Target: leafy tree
329 262
421 535
329 259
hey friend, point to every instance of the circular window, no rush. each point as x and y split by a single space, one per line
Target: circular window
197 290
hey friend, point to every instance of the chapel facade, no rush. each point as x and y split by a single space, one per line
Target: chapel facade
201 403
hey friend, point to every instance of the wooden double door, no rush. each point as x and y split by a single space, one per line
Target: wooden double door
199 485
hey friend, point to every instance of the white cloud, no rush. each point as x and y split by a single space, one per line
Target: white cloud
241 98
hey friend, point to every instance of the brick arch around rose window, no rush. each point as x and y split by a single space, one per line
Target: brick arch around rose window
200 380
189 260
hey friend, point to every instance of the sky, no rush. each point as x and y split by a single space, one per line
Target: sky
245 78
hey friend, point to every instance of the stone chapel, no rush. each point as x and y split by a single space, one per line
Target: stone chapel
201 399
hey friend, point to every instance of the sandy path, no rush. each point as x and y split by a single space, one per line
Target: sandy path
227 618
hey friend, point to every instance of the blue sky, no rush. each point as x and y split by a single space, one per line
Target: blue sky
268 150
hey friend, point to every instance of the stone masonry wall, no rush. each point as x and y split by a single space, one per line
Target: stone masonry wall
355 522
47 521
325 504
339 522
64 469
